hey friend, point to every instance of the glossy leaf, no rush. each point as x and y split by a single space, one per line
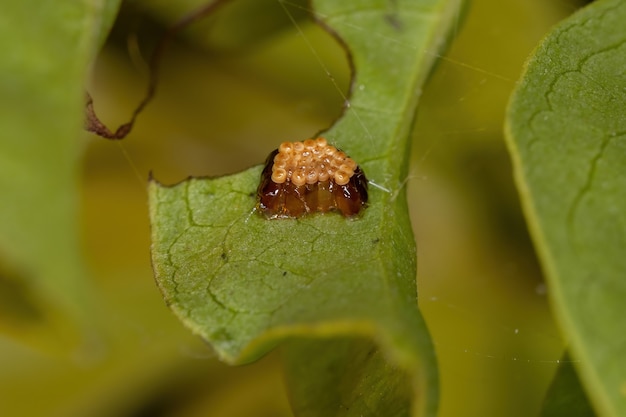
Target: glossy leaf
567 134
245 283
47 49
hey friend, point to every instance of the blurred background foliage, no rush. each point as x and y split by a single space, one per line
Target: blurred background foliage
231 88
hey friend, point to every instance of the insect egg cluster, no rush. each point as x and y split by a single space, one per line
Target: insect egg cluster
310 176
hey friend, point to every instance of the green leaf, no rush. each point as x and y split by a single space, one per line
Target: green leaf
245 283
567 134
47 48
566 396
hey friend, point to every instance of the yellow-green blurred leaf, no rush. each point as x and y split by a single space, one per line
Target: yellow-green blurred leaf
47 48
237 25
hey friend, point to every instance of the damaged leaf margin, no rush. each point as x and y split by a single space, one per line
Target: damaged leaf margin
245 283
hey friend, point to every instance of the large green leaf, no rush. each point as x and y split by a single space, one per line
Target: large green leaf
567 133
47 48
245 283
